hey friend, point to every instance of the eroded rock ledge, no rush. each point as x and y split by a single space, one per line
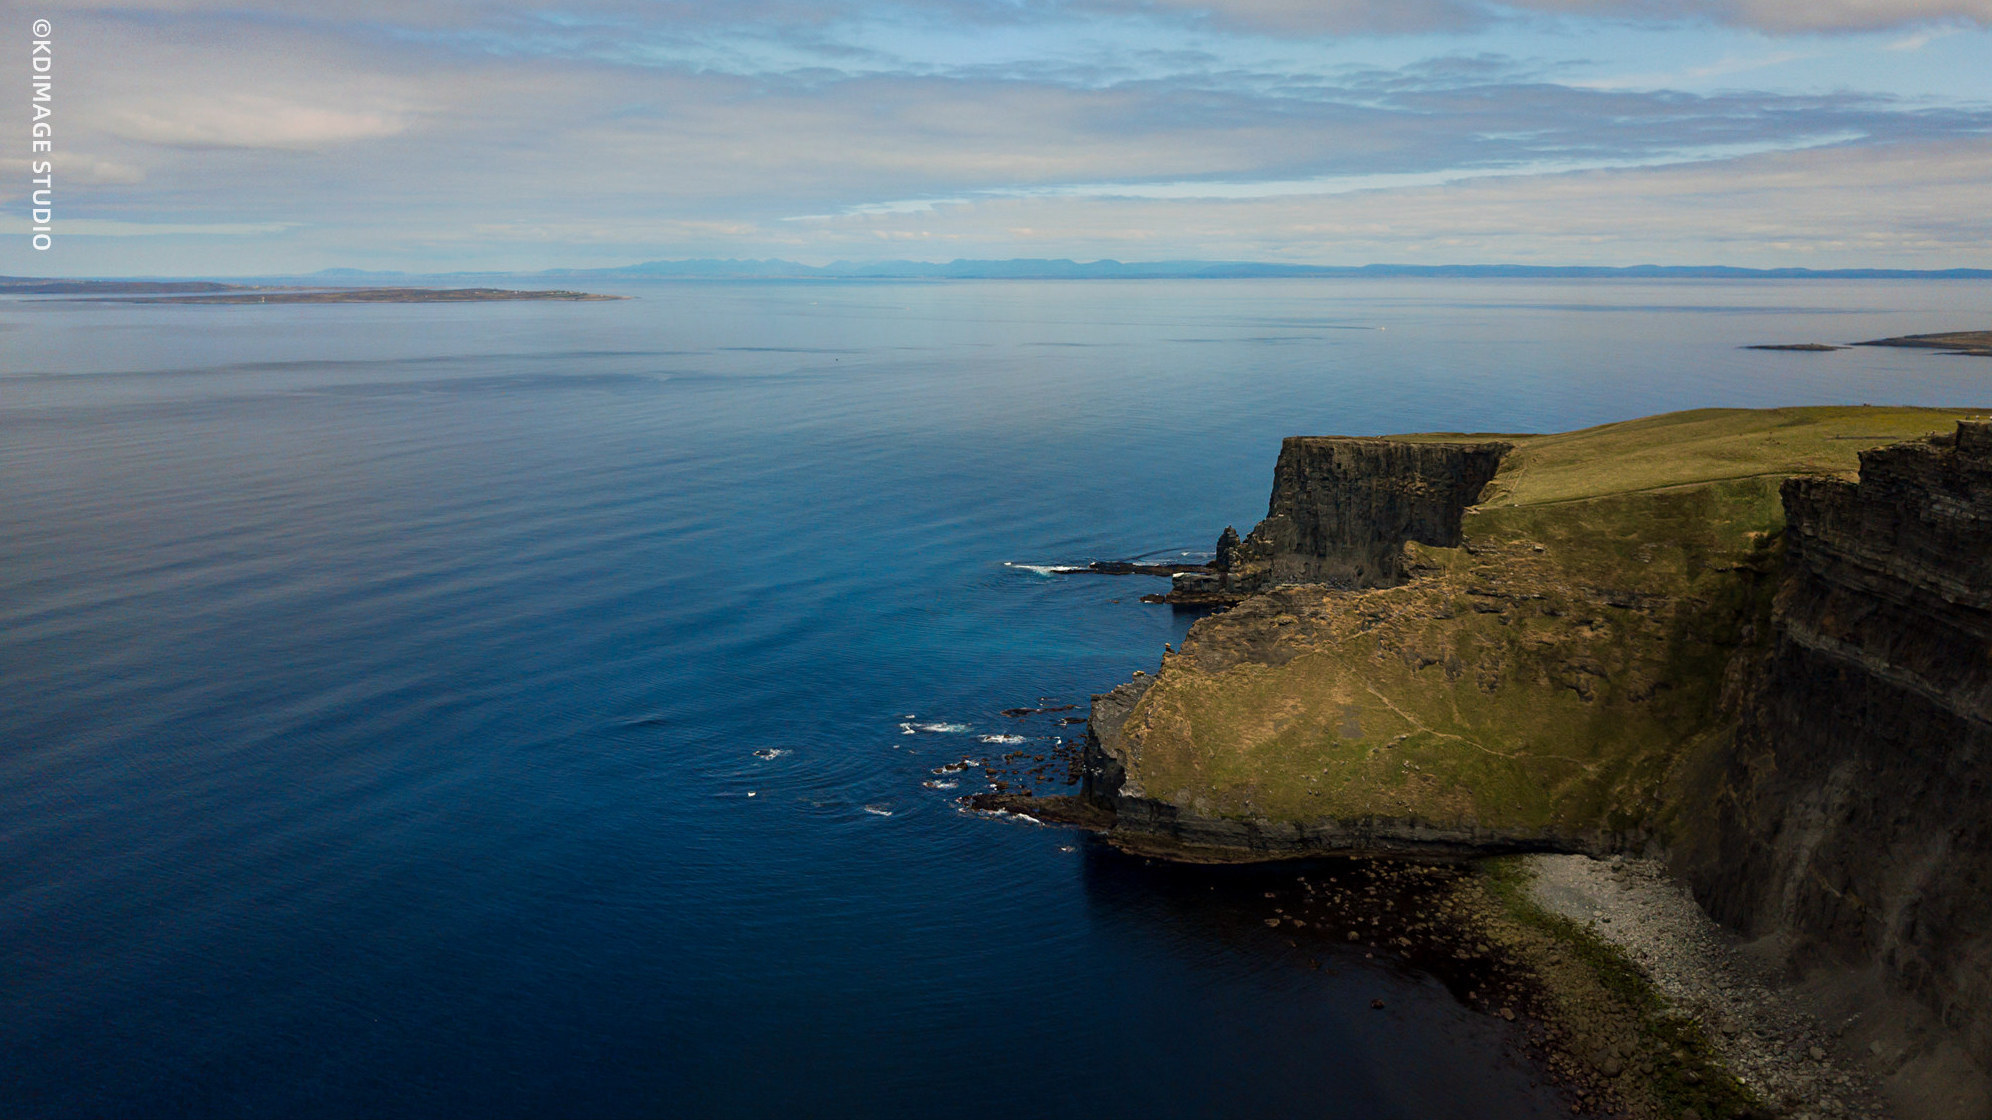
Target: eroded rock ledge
1341 512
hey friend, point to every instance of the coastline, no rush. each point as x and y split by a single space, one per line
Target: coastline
359 295
1624 994
1551 650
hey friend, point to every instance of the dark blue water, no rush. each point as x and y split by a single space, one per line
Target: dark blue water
381 687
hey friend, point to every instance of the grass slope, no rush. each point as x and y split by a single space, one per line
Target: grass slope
1554 678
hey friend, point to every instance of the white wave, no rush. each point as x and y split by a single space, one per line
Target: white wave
933 728
932 783
879 810
1007 815
1044 569
770 753
958 767
1000 738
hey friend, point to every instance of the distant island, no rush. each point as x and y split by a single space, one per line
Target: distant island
1208 270
1977 344
1022 268
1061 269
371 295
207 291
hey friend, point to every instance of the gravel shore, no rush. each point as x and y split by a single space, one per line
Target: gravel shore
1781 1052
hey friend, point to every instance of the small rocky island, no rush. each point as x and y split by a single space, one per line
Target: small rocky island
206 291
383 295
1751 648
1976 344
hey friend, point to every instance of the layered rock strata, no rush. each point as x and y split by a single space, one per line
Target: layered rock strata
1341 512
1853 813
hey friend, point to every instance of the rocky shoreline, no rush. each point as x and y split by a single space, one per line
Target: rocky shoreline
1756 1023
1704 1030
1681 1026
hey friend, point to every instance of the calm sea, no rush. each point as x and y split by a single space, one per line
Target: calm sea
497 710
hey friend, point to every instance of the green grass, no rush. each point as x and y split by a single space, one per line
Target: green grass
1704 445
1560 675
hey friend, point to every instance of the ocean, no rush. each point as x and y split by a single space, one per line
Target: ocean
523 709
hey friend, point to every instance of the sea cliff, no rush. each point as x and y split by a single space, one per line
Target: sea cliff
1757 644
1849 817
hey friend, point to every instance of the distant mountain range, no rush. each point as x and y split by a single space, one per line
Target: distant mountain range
1038 269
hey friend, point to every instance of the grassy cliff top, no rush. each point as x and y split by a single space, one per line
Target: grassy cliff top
1701 446
1559 675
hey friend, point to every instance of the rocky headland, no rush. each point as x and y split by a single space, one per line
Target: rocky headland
208 291
366 295
1975 343
1754 646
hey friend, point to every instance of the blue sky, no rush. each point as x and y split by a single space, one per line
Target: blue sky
241 137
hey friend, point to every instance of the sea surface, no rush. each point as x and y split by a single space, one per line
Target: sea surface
523 709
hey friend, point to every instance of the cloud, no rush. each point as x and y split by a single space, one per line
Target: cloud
248 120
496 141
439 134
567 25
1910 205
1782 16
105 227
1774 16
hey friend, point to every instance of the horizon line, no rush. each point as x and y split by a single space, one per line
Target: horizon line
749 268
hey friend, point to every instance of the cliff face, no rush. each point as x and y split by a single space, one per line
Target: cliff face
1695 635
1853 813
1342 510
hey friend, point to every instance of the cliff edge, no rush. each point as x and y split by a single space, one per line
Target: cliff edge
1341 512
1757 643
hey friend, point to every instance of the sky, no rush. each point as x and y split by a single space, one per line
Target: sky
255 137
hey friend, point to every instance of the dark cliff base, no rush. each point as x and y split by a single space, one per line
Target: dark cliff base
1851 820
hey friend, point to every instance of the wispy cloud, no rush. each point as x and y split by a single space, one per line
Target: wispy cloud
107 227
248 120
1908 205
1778 16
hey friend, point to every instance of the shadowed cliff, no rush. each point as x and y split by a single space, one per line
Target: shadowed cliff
1849 819
1342 510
